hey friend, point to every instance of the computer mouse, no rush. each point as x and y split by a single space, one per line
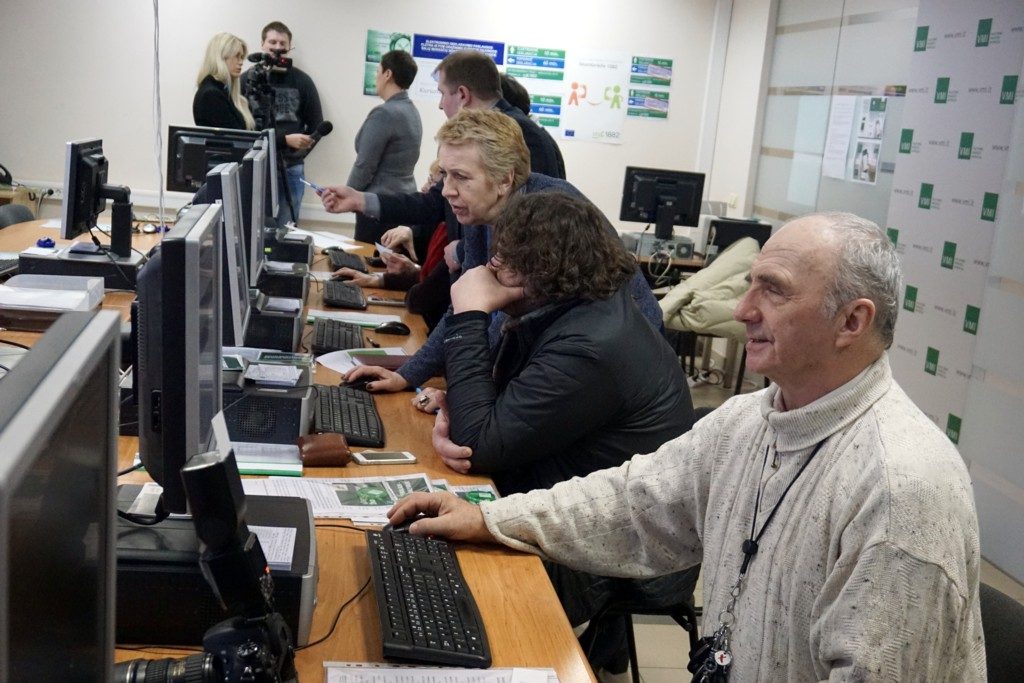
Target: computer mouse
403 527
360 383
149 228
392 327
341 277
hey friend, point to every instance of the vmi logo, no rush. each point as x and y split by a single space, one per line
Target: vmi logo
966 145
906 140
931 361
984 32
1008 93
921 39
910 298
953 428
948 255
971 319
924 199
988 206
942 90
894 235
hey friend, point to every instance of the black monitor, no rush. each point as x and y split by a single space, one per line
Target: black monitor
85 197
665 198
58 470
254 176
722 232
223 185
179 336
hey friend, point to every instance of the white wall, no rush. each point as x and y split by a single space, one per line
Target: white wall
84 69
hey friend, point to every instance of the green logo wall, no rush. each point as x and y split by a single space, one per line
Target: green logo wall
948 255
1008 93
971 316
984 31
941 89
921 39
966 145
906 140
924 198
894 235
910 298
988 206
931 362
953 428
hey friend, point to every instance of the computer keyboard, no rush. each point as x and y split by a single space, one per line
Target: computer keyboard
350 412
336 335
427 613
344 295
343 259
8 266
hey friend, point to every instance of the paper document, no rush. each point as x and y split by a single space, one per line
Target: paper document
323 239
360 672
272 374
364 319
282 304
473 493
364 500
278 545
342 361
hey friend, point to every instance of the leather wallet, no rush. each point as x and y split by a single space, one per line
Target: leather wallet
324 450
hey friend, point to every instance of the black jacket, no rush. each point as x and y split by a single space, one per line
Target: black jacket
545 157
212 106
574 388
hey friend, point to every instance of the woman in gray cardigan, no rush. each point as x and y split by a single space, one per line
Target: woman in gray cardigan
388 143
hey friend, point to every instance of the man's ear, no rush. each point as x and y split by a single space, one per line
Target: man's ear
854 321
465 96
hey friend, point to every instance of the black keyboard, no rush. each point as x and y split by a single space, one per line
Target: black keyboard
8 266
427 613
343 259
336 335
350 412
344 295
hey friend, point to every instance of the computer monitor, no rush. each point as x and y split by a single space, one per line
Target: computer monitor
193 151
86 193
58 437
722 232
270 144
178 361
665 198
223 185
254 167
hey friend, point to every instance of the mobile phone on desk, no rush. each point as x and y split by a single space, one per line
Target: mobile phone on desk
375 300
316 188
384 457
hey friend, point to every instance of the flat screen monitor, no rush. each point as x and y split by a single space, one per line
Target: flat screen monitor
193 151
270 144
722 232
86 193
254 167
178 360
223 185
662 197
58 471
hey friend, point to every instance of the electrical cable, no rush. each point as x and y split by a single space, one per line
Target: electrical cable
337 617
16 344
157 112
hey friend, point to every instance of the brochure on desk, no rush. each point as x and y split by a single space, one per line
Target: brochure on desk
362 672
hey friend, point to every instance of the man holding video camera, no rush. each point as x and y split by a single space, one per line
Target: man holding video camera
284 97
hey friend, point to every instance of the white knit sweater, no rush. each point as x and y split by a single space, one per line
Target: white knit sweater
869 570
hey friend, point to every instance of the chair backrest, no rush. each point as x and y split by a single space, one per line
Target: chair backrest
14 213
1002 620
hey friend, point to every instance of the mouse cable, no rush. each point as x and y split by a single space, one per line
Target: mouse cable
337 617
16 344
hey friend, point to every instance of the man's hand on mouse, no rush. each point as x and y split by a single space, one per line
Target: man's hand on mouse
448 516
381 380
479 290
357 278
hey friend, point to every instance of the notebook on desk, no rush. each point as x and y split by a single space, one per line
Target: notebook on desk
384 360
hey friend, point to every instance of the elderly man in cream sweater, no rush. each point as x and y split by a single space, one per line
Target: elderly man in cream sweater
835 522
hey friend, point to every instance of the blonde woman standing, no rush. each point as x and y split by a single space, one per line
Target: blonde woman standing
218 101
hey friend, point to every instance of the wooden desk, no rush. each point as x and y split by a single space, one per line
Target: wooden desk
525 623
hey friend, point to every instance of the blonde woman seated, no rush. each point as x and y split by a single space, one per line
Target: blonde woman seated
218 102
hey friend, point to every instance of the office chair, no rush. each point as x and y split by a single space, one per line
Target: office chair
1002 621
14 213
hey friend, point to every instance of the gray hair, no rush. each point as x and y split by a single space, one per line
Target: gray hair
866 267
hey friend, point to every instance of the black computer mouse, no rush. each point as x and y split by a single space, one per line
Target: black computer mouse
403 527
360 383
341 277
392 327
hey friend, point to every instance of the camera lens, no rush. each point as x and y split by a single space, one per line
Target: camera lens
200 668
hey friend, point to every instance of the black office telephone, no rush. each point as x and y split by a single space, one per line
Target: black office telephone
5 176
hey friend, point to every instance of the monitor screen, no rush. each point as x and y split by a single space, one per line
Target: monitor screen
270 144
723 232
193 151
178 361
85 174
254 166
58 437
666 198
223 185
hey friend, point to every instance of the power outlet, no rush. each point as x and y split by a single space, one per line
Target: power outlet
55 193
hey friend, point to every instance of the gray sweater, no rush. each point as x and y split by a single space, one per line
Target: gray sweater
388 147
869 570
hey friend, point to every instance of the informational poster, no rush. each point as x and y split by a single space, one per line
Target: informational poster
595 108
855 124
541 70
378 43
652 100
837 141
863 167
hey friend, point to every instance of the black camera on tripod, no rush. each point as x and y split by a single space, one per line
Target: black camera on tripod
255 643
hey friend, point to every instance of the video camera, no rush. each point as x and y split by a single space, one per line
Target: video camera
270 60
